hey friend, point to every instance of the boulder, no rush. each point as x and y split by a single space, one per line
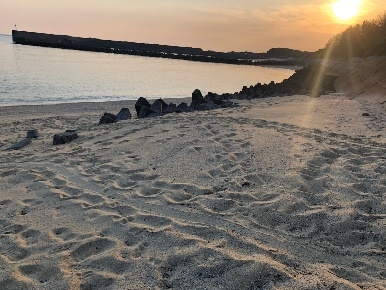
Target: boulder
171 108
124 114
209 97
33 134
217 100
183 108
210 105
107 118
146 112
197 100
65 137
141 102
22 143
159 106
203 107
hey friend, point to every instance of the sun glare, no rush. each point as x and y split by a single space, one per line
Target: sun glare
344 10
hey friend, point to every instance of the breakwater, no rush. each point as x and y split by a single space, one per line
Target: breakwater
144 49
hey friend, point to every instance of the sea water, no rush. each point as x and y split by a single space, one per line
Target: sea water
37 75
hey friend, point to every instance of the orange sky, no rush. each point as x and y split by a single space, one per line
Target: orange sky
221 25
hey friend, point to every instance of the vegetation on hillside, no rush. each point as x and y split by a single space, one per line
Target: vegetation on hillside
361 40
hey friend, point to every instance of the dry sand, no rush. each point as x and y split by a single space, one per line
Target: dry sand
279 193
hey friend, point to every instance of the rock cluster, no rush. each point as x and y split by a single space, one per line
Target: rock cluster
309 80
199 103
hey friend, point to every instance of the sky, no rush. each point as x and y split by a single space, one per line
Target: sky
220 25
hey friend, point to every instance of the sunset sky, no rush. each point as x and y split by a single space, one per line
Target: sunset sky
221 25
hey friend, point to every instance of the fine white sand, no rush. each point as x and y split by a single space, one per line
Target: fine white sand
278 193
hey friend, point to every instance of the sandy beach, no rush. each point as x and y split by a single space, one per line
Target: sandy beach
278 193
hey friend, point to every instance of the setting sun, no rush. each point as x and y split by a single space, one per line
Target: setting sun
346 9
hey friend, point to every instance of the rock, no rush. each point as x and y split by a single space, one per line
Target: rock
197 100
146 112
33 134
365 114
171 108
141 102
210 105
124 114
226 104
217 100
159 106
22 143
209 97
107 118
65 137
183 108
203 107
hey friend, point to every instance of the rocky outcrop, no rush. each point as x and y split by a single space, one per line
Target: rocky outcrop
313 80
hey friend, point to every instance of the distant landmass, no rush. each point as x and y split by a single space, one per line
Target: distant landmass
275 56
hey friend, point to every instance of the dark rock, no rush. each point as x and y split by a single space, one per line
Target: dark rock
171 108
124 114
33 134
22 143
107 118
197 100
196 95
183 108
365 114
210 106
203 107
226 104
217 100
209 97
65 137
141 102
145 112
159 106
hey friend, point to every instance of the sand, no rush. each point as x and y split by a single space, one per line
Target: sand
278 193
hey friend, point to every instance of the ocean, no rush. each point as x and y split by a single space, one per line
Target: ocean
32 75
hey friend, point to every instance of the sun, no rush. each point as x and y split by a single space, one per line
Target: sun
344 10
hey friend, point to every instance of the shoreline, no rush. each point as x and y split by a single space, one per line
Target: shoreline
281 192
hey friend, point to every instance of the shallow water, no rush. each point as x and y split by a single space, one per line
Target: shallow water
38 75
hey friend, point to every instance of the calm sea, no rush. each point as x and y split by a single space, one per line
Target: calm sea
36 75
